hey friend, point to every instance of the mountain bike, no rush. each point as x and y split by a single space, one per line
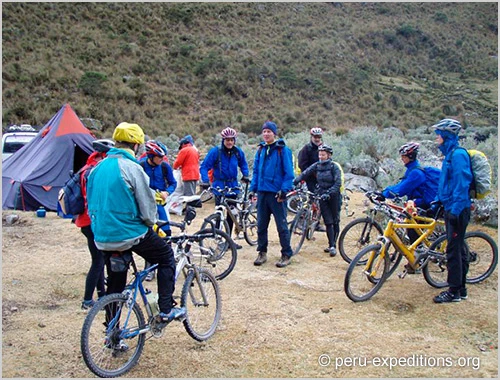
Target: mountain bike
115 329
371 267
306 220
242 211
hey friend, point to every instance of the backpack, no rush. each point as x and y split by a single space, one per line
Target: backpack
211 177
480 186
71 196
432 175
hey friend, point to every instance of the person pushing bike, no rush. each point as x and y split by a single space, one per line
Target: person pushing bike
225 160
122 210
328 178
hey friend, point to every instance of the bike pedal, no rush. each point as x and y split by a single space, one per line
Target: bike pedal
403 274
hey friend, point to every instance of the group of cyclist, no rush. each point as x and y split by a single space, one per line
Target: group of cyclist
124 199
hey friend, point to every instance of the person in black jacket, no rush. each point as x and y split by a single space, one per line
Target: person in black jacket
308 155
329 180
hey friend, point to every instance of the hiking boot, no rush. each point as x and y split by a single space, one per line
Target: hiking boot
237 246
283 262
463 293
177 313
261 259
87 305
410 270
332 251
150 276
327 250
320 228
447 297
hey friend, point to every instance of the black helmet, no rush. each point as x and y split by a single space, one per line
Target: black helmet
325 148
102 145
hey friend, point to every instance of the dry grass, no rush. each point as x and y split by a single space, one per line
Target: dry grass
276 322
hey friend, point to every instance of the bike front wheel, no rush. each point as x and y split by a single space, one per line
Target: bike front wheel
110 340
298 230
362 281
358 234
251 228
217 252
201 298
215 220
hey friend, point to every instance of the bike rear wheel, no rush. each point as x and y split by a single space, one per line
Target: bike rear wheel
358 234
362 281
298 230
201 298
217 252
482 253
107 352
250 233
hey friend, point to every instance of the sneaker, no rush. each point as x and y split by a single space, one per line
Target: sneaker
320 228
238 246
447 296
327 250
410 270
150 276
261 259
332 251
283 262
176 313
463 293
86 305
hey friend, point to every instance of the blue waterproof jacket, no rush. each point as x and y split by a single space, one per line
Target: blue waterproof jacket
456 176
121 205
272 168
225 164
157 179
413 185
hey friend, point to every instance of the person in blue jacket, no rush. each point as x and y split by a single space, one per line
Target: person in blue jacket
272 179
453 194
225 160
122 211
161 179
413 184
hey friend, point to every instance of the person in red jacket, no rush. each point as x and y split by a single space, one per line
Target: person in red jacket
95 275
188 160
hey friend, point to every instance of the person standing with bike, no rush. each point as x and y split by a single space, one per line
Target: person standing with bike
161 179
95 275
453 194
272 179
225 160
122 210
328 177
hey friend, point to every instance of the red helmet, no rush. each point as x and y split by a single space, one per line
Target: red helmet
153 149
410 150
228 133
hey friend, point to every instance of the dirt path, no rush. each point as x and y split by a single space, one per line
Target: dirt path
276 322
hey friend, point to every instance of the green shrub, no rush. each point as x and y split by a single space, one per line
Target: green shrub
91 83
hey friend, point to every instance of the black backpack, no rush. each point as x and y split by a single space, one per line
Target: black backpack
71 196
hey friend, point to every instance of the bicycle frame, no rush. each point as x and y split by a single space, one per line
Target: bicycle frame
224 209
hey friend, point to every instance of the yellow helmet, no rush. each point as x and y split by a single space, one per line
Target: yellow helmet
130 133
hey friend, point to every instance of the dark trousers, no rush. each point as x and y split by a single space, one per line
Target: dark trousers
95 275
156 251
268 205
456 253
330 210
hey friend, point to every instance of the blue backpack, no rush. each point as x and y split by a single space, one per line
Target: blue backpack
432 175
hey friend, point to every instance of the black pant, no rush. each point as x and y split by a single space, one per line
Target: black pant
456 253
330 210
95 275
156 251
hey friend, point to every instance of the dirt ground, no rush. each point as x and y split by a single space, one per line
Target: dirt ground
275 322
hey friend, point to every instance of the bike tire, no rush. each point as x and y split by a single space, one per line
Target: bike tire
218 252
215 219
104 353
357 234
483 259
206 195
202 315
359 285
298 231
294 203
251 227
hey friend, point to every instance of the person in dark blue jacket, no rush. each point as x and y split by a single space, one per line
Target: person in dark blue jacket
225 160
453 194
161 179
272 179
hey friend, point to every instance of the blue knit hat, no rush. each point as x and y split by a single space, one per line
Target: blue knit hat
270 125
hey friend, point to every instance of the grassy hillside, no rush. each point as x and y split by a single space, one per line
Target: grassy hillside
197 67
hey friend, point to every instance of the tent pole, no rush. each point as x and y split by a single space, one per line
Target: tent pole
22 196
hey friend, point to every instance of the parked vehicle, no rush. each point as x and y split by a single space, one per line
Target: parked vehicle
13 141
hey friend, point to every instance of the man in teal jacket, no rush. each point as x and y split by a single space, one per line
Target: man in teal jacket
272 179
453 194
122 210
